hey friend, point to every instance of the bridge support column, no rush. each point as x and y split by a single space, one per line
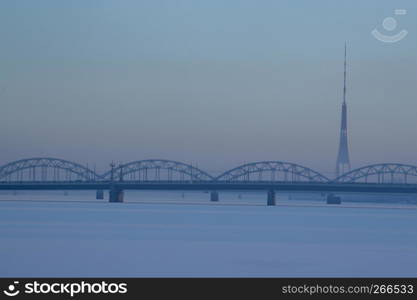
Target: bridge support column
332 199
214 196
116 195
271 198
99 194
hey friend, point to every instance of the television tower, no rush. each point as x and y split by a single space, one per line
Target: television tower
343 163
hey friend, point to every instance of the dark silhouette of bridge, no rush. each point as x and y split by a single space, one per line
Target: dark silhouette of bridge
159 174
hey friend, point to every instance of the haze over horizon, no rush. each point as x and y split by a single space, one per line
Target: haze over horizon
216 84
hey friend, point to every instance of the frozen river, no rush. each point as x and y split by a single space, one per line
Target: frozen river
96 238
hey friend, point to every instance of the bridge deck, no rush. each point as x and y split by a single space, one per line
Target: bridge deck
212 185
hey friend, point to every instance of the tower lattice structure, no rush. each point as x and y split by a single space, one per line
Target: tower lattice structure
343 162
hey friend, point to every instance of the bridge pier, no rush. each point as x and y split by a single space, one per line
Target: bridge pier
116 195
332 199
99 194
214 196
271 198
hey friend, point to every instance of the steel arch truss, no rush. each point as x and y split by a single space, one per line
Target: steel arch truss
272 171
45 169
397 173
157 170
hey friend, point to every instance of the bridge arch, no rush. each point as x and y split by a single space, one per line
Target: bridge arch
157 170
377 173
45 169
272 171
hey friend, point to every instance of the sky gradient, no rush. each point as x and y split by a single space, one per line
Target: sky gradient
212 83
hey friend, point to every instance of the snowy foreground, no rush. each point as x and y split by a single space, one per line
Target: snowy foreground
141 239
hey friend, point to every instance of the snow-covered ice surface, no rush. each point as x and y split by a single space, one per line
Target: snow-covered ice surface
199 238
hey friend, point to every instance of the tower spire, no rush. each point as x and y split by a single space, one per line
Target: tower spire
343 162
344 79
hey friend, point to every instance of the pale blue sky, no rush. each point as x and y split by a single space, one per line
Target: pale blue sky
213 83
